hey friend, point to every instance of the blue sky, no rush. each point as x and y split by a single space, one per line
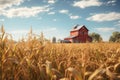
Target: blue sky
57 17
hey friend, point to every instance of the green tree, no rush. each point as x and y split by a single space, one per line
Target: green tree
95 37
115 37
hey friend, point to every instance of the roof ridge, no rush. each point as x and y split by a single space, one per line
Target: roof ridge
77 27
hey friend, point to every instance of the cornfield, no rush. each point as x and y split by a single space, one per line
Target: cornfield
32 60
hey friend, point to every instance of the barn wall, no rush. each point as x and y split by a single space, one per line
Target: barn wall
83 35
76 40
73 33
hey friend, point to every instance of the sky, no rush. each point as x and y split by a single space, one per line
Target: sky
55 18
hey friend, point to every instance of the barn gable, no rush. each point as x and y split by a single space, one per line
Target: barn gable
79 34
83 27
78 27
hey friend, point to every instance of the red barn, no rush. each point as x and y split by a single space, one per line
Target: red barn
79 34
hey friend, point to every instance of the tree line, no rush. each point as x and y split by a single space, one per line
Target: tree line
115 37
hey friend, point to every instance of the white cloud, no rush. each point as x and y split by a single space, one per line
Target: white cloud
63 11
51 1
51 13
117 23
105 29
105 17
74 17
9 3
2 20
87 3
24 11
112 2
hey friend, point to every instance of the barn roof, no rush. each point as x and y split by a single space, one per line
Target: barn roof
71 36
65 41
78 27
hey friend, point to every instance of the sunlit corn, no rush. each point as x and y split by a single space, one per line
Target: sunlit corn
33 58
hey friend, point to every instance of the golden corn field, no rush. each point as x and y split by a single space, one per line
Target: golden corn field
31 60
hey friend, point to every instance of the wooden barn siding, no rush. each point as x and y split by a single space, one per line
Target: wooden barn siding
74 33
83 37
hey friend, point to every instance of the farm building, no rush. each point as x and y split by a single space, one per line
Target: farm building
79 34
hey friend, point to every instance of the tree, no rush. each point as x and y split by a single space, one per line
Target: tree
95 37
54 40
115 37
